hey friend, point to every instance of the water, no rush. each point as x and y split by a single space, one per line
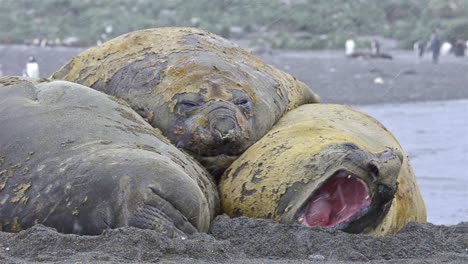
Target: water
435 137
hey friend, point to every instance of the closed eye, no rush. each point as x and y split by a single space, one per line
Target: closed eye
188 104
242 102
187 107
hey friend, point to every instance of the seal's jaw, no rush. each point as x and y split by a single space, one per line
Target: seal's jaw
354 197
340 200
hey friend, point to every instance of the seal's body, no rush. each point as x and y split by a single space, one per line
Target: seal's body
81 161
207 95
329 166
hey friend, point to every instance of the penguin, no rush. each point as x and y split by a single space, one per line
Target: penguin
349 47
32 68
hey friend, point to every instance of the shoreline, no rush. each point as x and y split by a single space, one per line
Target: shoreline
336 78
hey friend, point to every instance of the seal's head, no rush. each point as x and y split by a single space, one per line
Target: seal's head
342 187
214 109
354 196
325 166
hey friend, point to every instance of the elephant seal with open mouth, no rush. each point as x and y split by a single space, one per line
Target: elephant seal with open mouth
81 161
328 166
206 94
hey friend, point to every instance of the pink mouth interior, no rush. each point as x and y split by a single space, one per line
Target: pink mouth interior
336 201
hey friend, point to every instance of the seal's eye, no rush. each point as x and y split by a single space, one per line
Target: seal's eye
242 102
185 107
188 104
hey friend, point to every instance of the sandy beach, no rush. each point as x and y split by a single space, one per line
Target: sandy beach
422 104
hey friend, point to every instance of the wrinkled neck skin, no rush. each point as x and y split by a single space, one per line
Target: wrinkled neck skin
215 110
379 172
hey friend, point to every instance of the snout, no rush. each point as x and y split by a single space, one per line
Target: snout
224 128
219 128
223 125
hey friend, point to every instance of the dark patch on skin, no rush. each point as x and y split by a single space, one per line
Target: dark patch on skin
148 148
67 142
83 107
350 146
239 169
311 166
288 196
257 172
246 192
255 179
279 149
227 172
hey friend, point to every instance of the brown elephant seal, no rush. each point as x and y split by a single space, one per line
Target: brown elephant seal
328 166
206 94
81 161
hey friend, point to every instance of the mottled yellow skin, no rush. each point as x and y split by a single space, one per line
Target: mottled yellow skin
295 156
87 68
157 70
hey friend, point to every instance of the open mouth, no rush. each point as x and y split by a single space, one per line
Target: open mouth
340 200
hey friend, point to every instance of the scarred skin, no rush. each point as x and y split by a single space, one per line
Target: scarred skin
277 175
82 161
207 95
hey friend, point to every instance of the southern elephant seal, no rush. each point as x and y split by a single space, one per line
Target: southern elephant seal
206 94
329 166
81 161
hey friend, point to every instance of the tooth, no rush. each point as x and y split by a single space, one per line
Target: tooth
349 176
340 193
300 220
367 197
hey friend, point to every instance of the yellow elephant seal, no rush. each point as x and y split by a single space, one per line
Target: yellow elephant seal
206 94
328 166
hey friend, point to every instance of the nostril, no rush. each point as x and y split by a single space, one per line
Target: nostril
223 126
374 171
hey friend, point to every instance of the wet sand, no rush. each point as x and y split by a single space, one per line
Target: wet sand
239 240
405 78
433 134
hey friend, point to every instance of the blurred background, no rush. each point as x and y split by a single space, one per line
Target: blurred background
389 74
285 24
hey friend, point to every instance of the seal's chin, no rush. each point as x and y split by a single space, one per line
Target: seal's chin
342 199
